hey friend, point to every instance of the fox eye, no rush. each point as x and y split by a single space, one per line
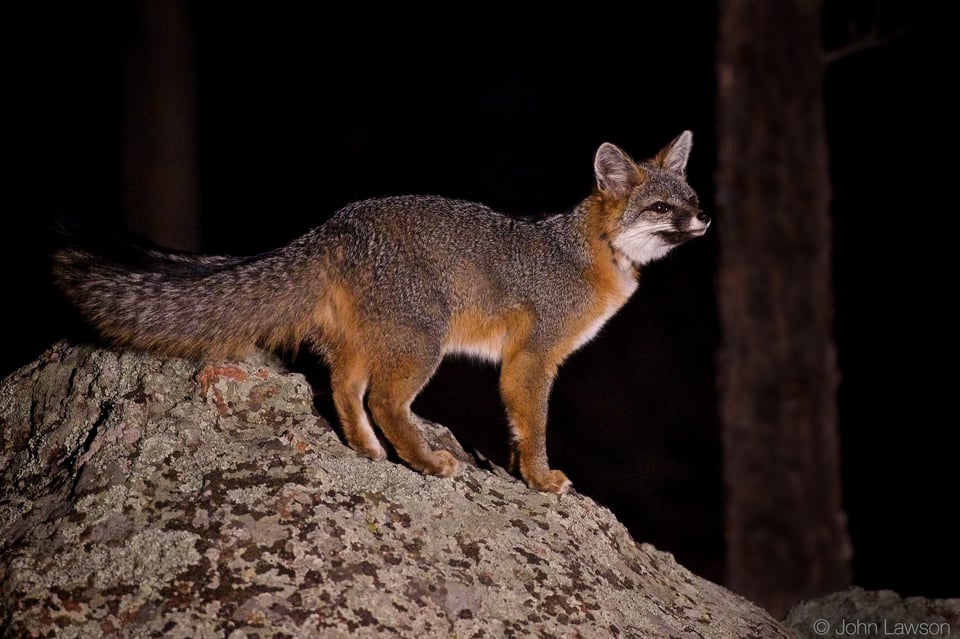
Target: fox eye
661 207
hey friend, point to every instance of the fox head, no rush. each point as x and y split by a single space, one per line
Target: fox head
647 208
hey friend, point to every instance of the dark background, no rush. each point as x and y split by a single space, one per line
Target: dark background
299 113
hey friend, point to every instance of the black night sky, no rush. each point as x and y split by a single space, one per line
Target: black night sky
299 113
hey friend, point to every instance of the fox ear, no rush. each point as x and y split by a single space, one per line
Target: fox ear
673 157
616 172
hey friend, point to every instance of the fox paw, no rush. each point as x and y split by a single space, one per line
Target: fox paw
440 463
553 481
374 450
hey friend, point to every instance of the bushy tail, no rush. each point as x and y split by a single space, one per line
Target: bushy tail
191 305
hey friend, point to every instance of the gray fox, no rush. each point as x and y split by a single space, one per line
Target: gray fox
387 287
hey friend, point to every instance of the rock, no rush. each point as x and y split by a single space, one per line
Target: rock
150 497
856 613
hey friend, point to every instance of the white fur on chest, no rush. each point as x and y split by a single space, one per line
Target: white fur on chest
591 330
628 286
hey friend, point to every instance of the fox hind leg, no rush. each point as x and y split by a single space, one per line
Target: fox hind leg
349 380
393 388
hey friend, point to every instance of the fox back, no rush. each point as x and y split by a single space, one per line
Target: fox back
387 287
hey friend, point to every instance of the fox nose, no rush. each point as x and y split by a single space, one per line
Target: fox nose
704 217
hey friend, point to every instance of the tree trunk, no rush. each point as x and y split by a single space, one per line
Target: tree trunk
785 525
160 145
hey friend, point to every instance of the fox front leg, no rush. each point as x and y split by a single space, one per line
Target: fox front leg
525 381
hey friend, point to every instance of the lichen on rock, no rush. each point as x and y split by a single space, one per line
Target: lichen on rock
161 497
856 613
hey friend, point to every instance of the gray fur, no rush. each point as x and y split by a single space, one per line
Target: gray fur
388 286
414 259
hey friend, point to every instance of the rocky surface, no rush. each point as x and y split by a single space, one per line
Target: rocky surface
145 497
856 613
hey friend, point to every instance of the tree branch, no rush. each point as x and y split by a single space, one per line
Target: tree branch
871 40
